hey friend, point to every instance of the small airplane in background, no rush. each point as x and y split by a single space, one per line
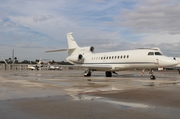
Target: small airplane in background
53 67
110 62
38 66
5 61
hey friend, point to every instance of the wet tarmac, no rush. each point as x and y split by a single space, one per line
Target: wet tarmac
68 94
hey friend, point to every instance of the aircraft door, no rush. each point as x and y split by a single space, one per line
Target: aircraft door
157 62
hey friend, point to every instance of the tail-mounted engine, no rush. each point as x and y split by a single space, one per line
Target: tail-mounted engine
91 49
79 53
80 57
75 58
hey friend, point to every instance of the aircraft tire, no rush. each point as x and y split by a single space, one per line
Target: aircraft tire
87 73
152 77
108 74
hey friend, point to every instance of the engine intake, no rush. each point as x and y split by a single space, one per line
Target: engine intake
80 57
75 58
92 49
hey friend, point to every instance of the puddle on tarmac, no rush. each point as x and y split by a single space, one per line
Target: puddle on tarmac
127 105
160 84
122 105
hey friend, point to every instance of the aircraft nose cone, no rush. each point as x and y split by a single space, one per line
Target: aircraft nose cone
173 62
169 62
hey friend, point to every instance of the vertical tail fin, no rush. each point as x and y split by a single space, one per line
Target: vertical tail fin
40 60
73 48
71 42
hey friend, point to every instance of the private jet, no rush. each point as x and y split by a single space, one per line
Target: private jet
36 67
53 67
110 62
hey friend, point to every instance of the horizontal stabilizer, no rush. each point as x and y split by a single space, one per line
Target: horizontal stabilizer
66 49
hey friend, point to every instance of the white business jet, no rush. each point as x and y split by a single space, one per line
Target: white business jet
114 61
37 66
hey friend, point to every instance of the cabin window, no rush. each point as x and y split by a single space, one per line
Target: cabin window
158 53
124 56
127 56
101 57
109 57
151 53
112 57
121 56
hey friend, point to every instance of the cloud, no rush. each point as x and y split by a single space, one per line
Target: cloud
152 17
98 0
42 17
12 34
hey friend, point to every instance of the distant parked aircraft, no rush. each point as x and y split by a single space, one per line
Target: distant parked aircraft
37 66
53 67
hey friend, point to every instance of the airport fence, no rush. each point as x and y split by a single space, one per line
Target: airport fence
25 67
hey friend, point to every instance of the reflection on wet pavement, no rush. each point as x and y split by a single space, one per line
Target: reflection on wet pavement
73 82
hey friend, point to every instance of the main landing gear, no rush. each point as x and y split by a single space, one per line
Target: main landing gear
179 71
108 74
87 73
152 77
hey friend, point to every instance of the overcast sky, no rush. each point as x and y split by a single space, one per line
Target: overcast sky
31 27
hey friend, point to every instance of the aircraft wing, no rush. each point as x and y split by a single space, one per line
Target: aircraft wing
99 66
89 66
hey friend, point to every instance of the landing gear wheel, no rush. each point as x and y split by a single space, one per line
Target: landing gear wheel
87 73
108 74
152 77
179 71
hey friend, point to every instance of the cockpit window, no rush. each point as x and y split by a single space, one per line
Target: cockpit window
151 53
158 53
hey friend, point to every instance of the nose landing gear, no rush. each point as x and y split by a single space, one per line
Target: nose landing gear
87 73
152 77
108 74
